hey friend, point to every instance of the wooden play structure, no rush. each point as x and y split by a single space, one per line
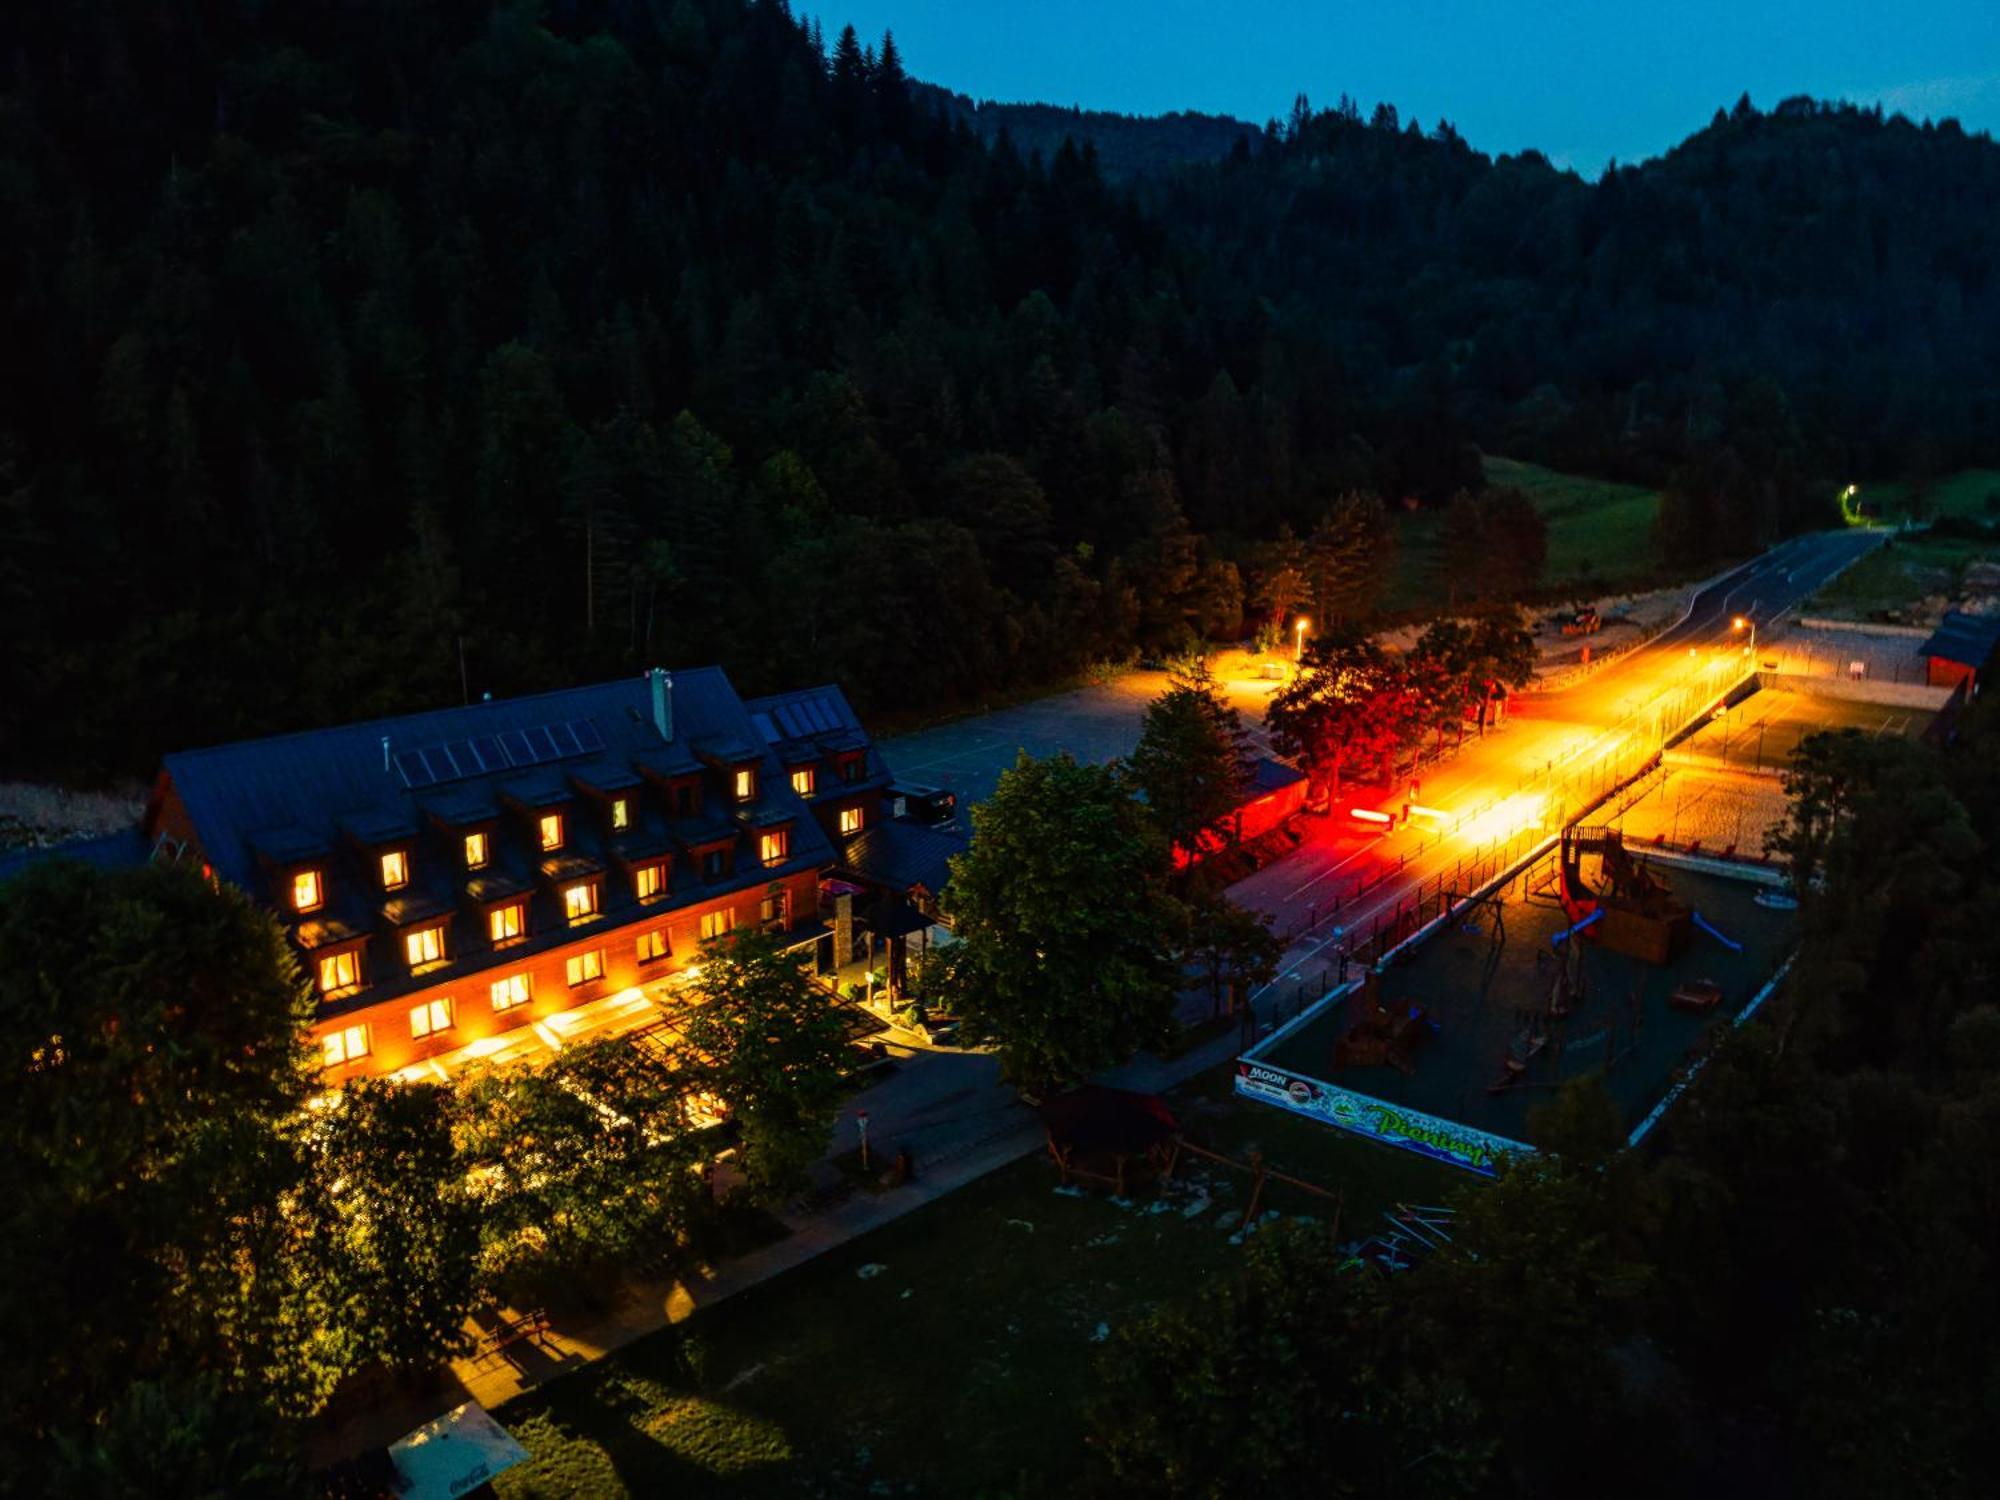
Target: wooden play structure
1260 1172
1112 1136
1379 1036
1630 910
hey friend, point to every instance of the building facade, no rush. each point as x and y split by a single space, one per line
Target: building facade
451 878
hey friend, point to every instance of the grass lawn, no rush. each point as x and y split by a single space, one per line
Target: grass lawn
1965 493
948 1353
1897 575
1600 535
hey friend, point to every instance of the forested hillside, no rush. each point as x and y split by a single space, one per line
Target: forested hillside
1126 145
366 354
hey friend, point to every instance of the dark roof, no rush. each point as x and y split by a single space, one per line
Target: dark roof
310 781
807 726
899 854
110 851
1269 775
1966 639
1095 1118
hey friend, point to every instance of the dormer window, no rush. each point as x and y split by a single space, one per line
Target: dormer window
395 870
684 803
475 851
746 784
621 814
772 846
306 895
714 864
507 923
339 973
850 768
648 880
551 830
851 820
424 947
802 781
580 901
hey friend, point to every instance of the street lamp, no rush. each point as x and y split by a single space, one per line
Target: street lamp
1741 623
1299 645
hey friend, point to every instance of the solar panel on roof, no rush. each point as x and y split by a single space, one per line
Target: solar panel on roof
514 745
564 738
765 727
544 744
822 713
415 773
444 763
588 740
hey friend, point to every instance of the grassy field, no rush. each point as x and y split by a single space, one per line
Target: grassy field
1600 536
948 1353
1972 493
1889 581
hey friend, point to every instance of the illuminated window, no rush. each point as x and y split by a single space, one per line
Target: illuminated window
802 781
305 890
746 785
429 1018
475 851
647 880
771 847
621 813
339 971
506 922
510 992
653 945
585 967
715 923
552 830
850 820
346 1045
424 946
395 870
777 908
580 900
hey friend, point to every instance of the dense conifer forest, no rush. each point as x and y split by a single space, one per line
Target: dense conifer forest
366 355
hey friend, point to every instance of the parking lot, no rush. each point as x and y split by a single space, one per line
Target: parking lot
1095 724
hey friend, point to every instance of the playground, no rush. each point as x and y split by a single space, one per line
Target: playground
1512 998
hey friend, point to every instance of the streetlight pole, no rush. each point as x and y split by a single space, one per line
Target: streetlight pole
1299 642
1739 623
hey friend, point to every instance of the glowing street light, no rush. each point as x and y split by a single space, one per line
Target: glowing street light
1741 623
1299 644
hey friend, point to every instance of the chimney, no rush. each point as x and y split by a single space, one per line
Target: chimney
663 702
385 755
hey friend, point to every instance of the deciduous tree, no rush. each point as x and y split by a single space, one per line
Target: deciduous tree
1067 936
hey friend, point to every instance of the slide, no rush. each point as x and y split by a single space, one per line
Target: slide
1728 942
1556 939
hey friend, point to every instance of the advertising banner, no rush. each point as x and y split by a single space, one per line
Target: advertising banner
1407 1129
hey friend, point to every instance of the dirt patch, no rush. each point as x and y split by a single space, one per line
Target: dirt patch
33 816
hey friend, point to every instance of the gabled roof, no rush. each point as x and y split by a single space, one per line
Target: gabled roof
306 784
900 854
1966 639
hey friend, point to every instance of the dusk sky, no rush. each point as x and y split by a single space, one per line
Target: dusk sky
1583 82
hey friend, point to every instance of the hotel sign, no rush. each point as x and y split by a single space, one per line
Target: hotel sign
1407 1129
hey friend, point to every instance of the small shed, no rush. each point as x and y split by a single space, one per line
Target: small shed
1960 648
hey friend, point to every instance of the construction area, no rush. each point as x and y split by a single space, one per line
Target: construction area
1596 959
